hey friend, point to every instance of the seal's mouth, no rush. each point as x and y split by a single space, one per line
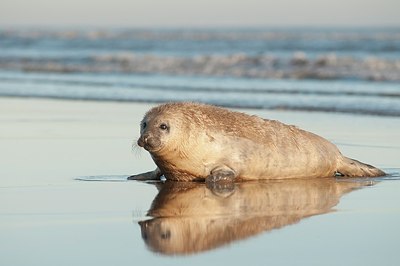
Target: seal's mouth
150 144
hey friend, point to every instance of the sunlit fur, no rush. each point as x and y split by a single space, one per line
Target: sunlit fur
202 138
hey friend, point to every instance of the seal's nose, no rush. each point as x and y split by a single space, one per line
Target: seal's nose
142 140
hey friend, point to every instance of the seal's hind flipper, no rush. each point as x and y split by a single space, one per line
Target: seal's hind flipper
353 168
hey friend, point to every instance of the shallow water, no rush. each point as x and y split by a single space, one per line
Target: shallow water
315 222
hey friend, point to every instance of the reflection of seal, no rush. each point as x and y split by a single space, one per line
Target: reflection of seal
197 141
189 218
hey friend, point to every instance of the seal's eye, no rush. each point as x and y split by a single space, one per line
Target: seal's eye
144 124
163 126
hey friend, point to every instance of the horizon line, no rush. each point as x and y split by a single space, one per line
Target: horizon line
208 27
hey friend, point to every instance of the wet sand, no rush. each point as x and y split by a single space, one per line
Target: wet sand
50 218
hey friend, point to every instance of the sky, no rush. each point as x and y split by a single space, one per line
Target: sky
199 13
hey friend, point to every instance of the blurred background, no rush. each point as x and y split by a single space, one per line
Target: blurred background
334 56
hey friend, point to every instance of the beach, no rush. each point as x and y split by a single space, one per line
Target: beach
51 214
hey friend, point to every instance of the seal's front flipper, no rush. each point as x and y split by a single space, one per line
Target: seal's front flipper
152 175
221 181
221 174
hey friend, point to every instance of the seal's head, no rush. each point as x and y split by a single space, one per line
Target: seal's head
154 131
158 128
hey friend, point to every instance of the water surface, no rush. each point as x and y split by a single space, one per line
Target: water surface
330 70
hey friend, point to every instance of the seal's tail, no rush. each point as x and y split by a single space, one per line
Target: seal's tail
354 168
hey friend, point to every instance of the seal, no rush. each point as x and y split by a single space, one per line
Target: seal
197 142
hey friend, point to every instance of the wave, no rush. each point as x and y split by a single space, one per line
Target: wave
298 66
370 99
299 53
293 69
347 35
365 90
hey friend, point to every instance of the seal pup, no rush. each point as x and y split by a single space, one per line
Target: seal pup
192 141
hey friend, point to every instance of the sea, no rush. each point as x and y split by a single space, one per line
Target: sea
50 214
344 70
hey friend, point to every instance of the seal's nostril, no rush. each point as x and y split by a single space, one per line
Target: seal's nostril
143 140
